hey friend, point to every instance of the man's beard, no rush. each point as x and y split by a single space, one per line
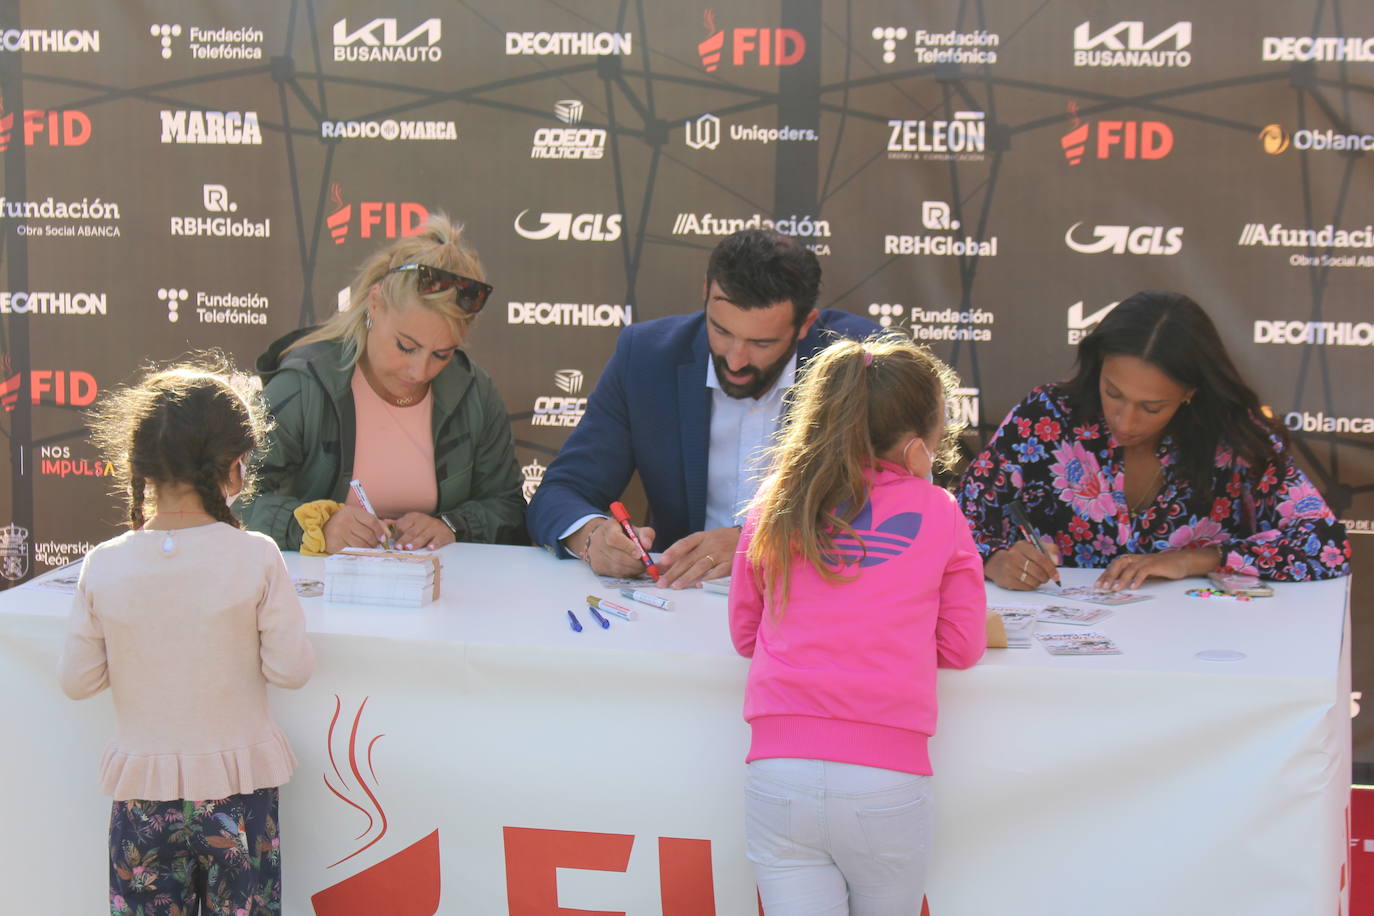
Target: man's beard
761 379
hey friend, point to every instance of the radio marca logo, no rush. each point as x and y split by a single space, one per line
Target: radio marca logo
760 47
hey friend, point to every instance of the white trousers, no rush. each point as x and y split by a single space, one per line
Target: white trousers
830 839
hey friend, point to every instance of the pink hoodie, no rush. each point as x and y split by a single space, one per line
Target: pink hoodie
848 673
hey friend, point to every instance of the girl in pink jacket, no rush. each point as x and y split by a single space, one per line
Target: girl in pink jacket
855 579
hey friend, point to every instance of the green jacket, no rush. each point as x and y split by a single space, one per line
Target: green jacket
310 453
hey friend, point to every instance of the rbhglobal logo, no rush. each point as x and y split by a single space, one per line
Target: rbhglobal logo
937 216
382 40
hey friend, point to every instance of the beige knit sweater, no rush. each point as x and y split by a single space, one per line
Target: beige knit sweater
188 642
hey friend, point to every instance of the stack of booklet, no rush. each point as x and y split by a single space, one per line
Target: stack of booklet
384 577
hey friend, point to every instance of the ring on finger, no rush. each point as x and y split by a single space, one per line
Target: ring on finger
711 558
1025 567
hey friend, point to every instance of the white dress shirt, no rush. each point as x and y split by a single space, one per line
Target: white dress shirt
742 430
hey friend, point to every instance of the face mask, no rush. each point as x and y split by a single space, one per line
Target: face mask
929 457
243 476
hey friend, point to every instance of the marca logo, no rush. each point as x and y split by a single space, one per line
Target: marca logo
46 128
1125 45
50 41
977 47
1304 422
534 476
211 44
964 137
1321 333
365 45
1128 240
375 218
963 407
937 216
217 308
14 552
1117 140
1292 48
45 303
568 142
215 199
68 388
750 46
77 217
581 227
1080 324
1275 140
704 132
569 314
229 128
569 44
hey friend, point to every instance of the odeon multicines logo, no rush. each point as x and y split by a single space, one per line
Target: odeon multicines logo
1318 333
221 128
577 227
1322 50
953 47
704 133
41 127
32 302
564 409
388 219
382 40
964 407
56 387
935 324
749 47
1326 246
963 137
1156 240
1301 421
215 308
570 314
570 44
52 218
938 217
571 142
214 198
1082 322
209 44
50 41
1130 140
1126 45
1276 141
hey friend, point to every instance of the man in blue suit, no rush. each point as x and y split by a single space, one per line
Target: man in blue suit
690 401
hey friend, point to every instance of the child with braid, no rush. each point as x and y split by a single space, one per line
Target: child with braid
855 577
187 618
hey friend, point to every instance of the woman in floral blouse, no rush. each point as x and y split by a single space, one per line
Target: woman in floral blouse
1155 459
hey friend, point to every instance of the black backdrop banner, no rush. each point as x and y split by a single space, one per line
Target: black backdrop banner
990 177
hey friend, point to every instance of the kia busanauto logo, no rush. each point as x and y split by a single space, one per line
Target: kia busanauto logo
581 227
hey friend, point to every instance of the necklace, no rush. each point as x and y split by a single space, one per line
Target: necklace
169 544
1147 496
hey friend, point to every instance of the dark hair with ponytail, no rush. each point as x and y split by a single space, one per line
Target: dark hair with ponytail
186 424
1173 333
854 402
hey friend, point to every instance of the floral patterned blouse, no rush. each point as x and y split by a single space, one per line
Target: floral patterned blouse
1071 479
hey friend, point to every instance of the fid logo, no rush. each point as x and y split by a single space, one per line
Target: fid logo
768 47
384 219
61 128
1116 139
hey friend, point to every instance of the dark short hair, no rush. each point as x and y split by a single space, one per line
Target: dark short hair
756 268
1173 333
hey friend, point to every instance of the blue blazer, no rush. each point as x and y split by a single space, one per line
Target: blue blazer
651 412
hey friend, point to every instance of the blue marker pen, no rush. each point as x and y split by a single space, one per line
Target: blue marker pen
574 622
605 624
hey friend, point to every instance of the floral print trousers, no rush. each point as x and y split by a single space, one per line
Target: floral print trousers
182 858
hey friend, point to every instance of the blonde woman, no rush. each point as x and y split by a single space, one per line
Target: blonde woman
384 393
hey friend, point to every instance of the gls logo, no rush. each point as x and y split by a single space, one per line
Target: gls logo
1080 325
55 128
762 47
581 227
364 46
1116 139
1107 49
1125 239
376 219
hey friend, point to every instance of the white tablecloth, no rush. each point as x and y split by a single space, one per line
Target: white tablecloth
523 767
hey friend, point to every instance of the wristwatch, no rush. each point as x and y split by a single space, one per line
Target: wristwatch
443 517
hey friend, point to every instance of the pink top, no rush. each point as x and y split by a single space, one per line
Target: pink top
848 673
187 643
393 453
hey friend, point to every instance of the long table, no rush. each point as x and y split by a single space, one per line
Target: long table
477 756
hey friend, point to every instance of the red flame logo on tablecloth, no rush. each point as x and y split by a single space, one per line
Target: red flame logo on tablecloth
404 884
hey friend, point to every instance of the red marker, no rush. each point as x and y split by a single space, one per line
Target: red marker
622 516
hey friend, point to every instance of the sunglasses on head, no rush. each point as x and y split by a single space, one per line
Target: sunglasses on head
472 294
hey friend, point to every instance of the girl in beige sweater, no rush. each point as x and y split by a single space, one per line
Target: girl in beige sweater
187 618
